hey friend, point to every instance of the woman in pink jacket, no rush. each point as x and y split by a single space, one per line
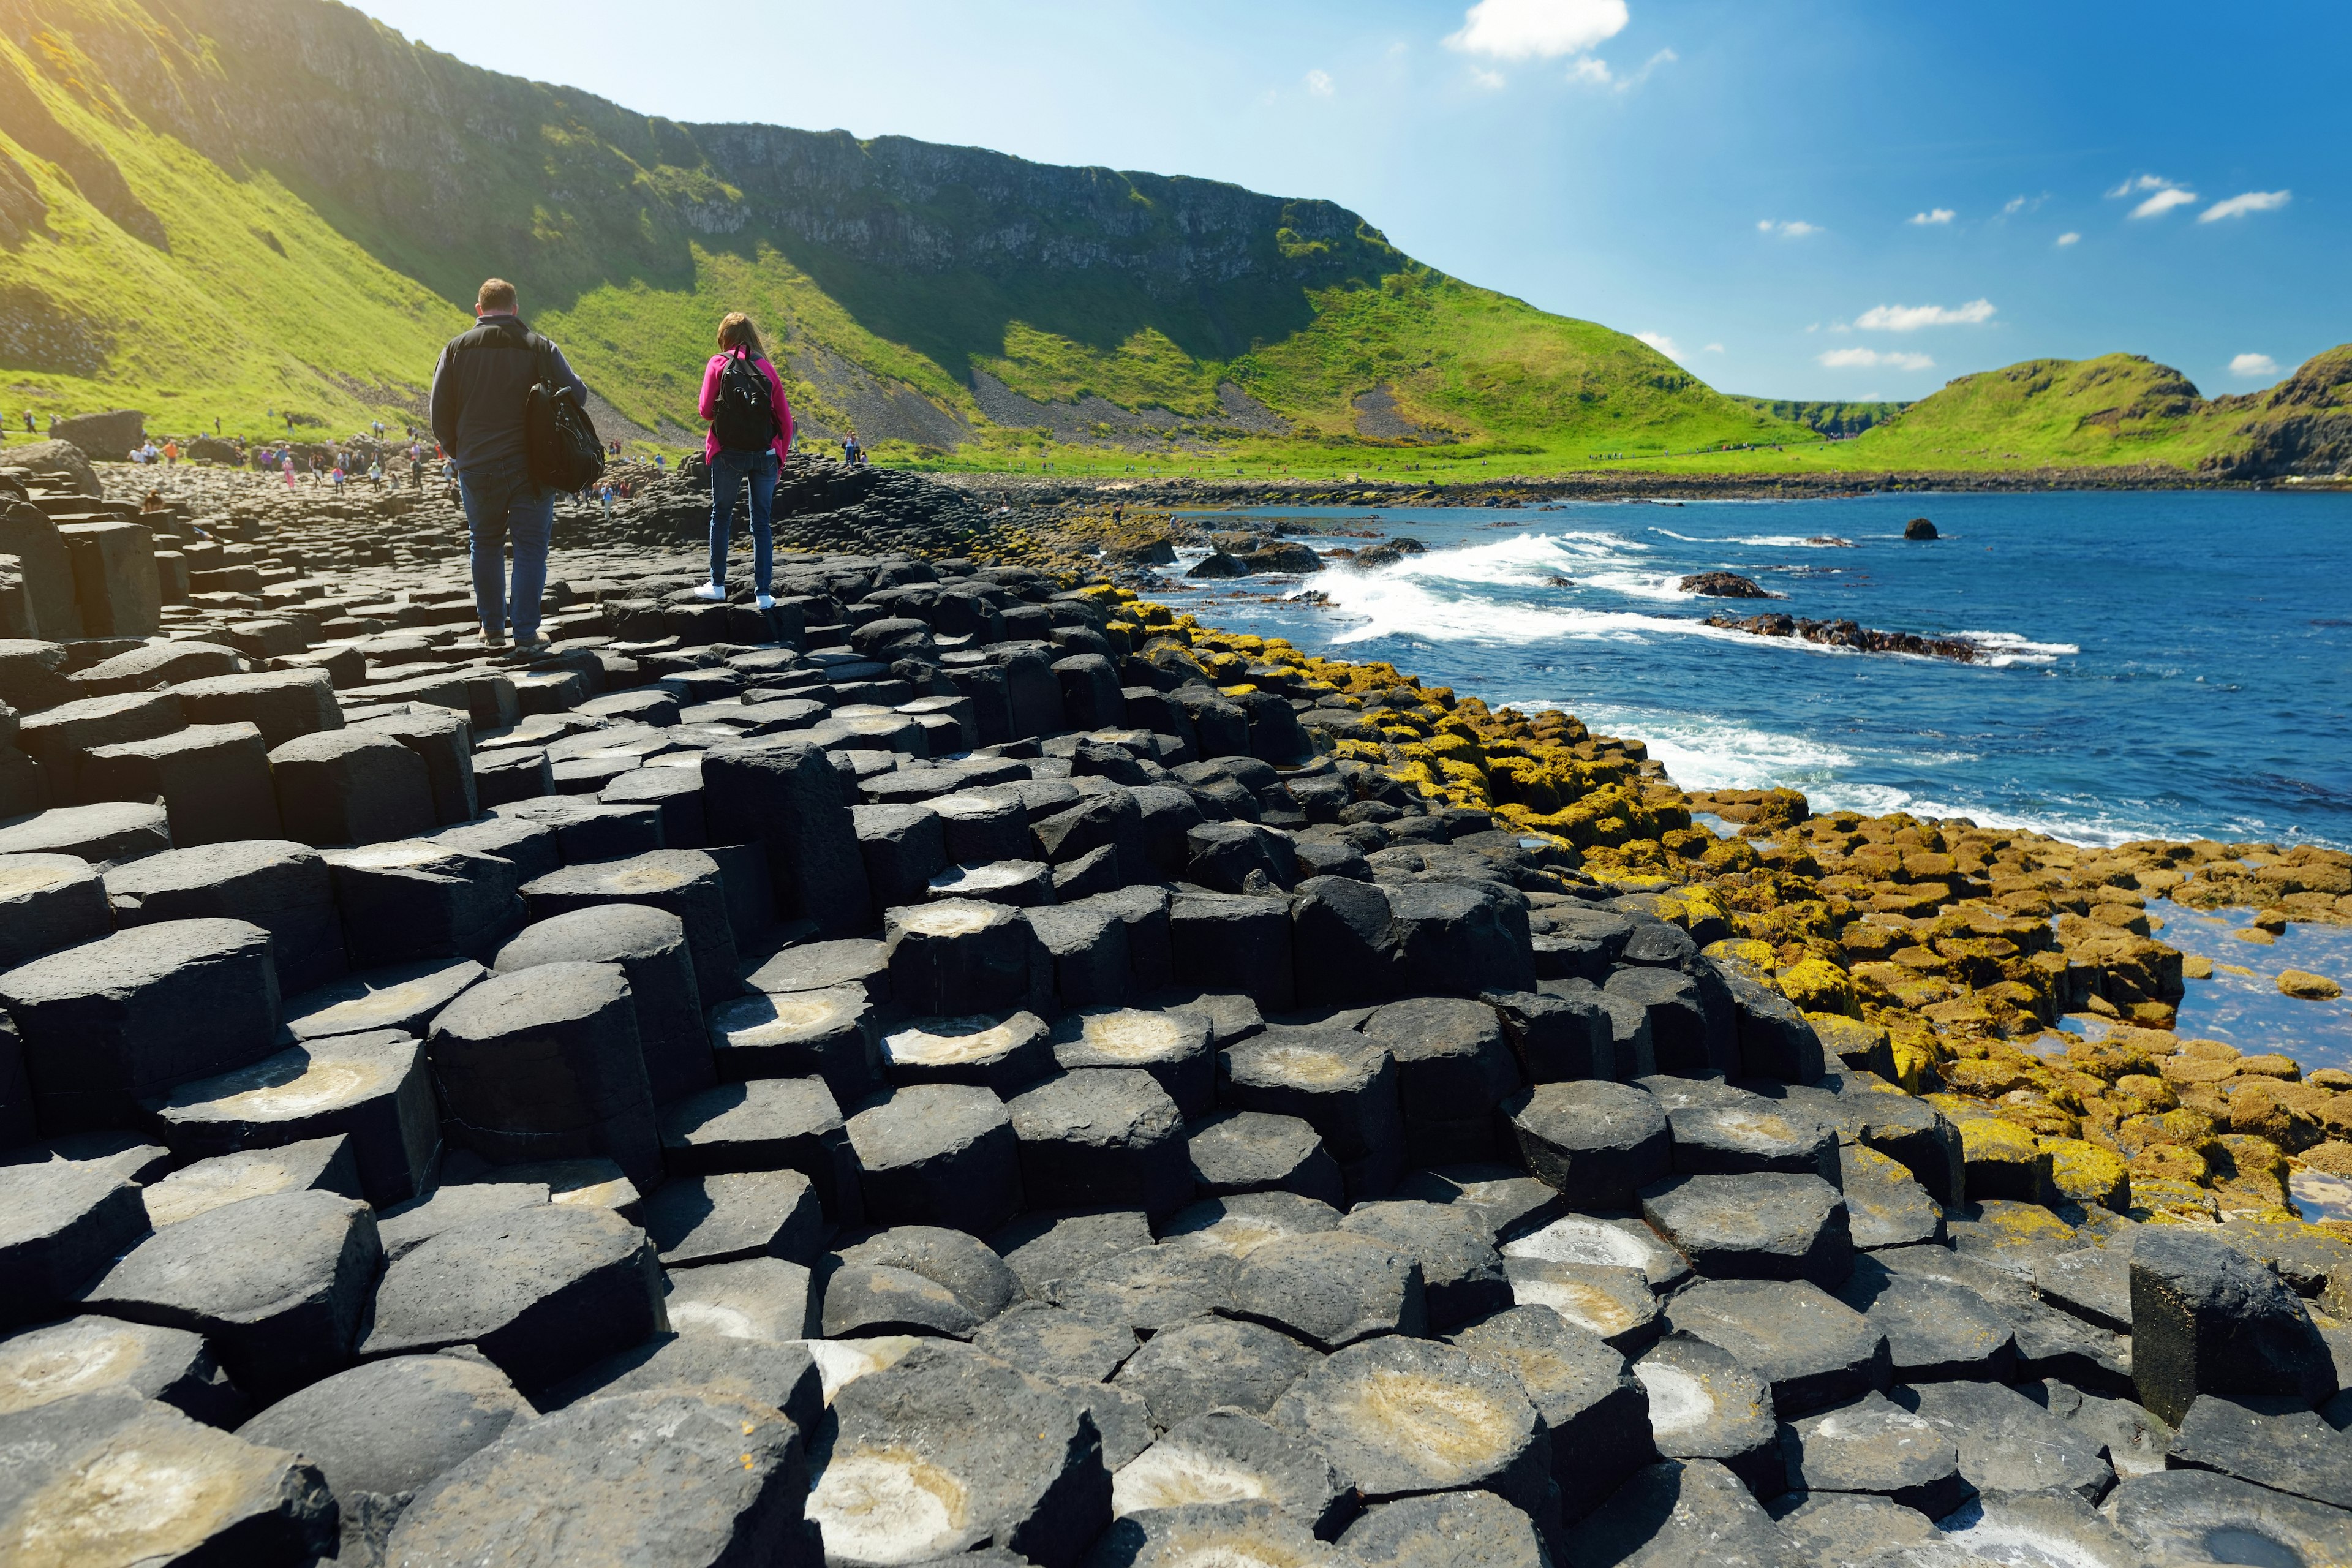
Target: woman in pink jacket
751 436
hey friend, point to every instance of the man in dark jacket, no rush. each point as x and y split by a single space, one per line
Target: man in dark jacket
478 388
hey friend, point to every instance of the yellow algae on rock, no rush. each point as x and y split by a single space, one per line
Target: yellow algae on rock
2084 1173
2309 987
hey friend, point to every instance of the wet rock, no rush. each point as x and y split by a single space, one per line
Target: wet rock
673 1475
276 1285
1723 585
945 1427
1596 1410
110 1477
2057 1526
1225 1456
1814 1350
1204 1363
1680 1511
84 1355
2195 1516
1705 1403
1874 1446
2208 1320
1598 1144
544 1292
1920 528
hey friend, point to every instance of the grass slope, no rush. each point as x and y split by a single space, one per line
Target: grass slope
268 272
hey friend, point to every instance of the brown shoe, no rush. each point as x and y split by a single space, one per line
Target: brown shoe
492 639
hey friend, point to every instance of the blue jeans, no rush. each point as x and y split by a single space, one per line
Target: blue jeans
728 472
501 501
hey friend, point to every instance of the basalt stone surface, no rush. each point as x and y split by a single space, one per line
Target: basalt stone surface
1302 1208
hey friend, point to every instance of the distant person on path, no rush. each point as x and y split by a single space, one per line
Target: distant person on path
29 422
171 452
751 436
476 414
288 465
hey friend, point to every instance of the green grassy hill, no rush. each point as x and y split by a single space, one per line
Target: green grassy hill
233 209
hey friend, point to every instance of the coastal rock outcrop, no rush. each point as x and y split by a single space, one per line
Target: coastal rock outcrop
1920 528
1724 585
1849 634
1174 1064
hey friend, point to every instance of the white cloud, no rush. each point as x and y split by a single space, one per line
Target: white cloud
1490 80
1320 83
1712 349
2252 366
1662 344
1593 71
2163 202
2239 207
2012 206
1934 215
2142 183
1911 318
2069 238
1863 358
1538 29
1793 229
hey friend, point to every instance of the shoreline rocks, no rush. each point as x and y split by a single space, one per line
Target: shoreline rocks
1039 1078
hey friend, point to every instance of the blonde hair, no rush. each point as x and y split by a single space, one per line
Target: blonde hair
737 332
496 294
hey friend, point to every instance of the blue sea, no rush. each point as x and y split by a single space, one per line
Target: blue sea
2156 665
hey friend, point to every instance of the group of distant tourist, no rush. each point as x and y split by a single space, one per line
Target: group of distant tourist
479 387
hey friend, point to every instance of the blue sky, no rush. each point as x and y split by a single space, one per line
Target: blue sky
1795 199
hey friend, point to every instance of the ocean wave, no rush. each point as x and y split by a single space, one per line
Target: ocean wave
2003 649
1767 541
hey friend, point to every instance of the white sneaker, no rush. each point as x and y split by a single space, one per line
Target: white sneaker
766 601
711 592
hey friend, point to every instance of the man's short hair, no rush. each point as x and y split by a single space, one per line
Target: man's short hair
497 294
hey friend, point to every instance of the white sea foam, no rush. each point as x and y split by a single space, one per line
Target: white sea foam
2005 649
1765 541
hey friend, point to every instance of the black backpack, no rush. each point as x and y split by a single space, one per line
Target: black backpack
746 420
565 452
